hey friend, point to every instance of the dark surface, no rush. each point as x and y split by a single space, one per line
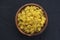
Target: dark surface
8 30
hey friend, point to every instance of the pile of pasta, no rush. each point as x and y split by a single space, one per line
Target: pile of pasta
31 19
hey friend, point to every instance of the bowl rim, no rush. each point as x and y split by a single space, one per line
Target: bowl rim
44 13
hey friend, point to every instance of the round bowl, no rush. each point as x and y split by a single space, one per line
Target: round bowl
45 25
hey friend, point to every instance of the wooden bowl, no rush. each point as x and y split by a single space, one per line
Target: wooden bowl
45 25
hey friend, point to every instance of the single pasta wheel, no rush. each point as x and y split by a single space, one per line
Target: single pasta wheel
31 19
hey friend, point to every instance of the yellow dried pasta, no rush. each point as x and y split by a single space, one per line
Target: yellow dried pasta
31 19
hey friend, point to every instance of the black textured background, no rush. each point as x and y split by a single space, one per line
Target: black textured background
8 30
